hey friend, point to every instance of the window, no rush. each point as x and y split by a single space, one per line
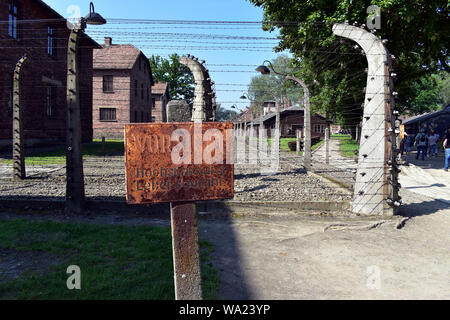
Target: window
50 99
13 13
108 114
108 84
153 103
148 117
153 119
51 42
142 91
136 88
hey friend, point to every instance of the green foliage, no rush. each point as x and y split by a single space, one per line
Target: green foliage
223 114
417 32
268 87
178 76
425 95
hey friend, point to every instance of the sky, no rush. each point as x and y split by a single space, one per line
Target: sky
232 51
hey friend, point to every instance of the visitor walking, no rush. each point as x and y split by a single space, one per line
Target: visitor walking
432 143
447 148
421 143
408 143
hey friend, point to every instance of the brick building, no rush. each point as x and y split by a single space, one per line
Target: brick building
122 89
292 119
160 98
44 76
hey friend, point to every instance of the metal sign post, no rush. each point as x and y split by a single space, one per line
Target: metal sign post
180 163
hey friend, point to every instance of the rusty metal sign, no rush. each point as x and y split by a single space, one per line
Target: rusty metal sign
177 162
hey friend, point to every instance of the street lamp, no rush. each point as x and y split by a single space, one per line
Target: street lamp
75 196
307 117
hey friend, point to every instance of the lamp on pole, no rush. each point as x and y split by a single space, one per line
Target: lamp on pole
75 197
239 124
307 116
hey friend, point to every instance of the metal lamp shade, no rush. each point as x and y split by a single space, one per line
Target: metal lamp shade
263 69
95 19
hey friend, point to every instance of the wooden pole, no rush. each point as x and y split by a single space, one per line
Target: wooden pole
18 138
183 215
75 197
186 257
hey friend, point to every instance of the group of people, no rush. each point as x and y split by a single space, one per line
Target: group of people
427 144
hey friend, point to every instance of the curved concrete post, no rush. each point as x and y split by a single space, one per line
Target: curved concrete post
376 188
18 138
307 123
199 101
204 97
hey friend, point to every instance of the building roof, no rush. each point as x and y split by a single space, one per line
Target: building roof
284 111
116 56
426 116
160 88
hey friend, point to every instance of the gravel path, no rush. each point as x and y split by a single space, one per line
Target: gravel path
105 180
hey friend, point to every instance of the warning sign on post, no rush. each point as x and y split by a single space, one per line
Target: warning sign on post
177 162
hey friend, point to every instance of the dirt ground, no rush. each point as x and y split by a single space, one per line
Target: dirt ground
313 256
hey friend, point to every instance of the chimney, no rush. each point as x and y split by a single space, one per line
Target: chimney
108 41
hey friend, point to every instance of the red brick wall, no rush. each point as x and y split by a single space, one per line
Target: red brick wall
123 99
120 100
38 126
159 110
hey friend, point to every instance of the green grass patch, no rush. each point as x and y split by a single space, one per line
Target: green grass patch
340 137
348 147
116 262
285 141
112 148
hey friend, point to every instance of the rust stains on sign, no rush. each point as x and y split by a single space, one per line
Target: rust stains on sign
177 162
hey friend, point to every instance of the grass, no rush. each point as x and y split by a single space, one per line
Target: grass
116 262
284 144
112 147
348 145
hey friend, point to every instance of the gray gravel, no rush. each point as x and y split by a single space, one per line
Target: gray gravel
105 180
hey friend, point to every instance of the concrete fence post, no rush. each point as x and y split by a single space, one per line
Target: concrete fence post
327 145
298 136
376 186
307 123
18 138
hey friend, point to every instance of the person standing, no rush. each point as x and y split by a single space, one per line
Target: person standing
408 143
432 142
447 148
421 142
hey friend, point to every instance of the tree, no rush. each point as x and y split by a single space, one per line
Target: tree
264 87
430 93
417 32
223 114
178 76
